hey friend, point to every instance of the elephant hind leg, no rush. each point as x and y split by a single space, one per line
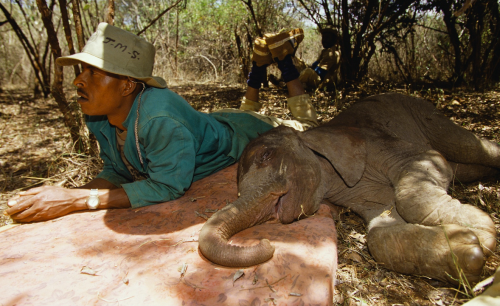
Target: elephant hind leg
467 173
439 252
453 141
421 198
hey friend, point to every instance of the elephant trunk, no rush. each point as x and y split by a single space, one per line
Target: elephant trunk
215 234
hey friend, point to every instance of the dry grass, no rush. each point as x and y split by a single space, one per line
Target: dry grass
35 150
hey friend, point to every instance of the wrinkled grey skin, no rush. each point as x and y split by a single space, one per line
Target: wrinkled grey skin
387 153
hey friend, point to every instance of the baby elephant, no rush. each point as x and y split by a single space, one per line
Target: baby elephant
390 158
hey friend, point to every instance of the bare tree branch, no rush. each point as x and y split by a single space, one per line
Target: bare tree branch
67 31
77 18
27 21
158 17
324 3
57 90
254 17
311 15
30 51
94 24
467 4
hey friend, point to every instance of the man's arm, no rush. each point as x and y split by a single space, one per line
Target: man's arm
49 202
110 195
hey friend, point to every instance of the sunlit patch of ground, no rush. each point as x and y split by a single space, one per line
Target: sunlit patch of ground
35 149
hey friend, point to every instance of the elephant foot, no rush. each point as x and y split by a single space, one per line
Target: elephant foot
449 253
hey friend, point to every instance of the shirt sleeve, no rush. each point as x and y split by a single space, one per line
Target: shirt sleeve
171 153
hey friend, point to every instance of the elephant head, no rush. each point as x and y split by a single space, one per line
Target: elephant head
281 176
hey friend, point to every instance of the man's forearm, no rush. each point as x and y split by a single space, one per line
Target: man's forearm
98 183
114 198
110 195
49 202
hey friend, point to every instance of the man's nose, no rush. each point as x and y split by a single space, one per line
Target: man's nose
79 80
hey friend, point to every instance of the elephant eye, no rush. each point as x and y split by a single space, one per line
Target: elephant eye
266 155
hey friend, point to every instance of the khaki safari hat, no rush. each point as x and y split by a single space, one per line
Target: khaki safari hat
118 51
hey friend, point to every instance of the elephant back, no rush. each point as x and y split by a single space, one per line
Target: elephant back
394 114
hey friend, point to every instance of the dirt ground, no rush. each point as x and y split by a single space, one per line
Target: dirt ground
35 149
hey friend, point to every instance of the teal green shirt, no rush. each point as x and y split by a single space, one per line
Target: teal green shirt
178 145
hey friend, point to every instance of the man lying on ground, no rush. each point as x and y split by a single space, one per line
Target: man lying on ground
153 143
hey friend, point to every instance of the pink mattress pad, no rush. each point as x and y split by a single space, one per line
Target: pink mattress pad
150 256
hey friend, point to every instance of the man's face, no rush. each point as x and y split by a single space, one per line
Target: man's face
100 92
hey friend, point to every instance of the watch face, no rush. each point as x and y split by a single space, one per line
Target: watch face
93 202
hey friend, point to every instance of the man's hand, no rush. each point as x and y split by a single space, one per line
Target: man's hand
45 203
49 202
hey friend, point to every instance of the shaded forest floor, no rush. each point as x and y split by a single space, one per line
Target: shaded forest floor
35 149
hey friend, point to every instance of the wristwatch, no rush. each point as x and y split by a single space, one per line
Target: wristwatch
93 199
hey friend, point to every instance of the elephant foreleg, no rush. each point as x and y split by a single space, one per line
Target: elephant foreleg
421 198
439 252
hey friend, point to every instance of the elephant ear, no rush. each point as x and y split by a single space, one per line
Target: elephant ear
344 147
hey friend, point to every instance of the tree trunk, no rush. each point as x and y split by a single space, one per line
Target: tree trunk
85 23
493 68
110 16
345 54
176 43
158 17
329 19
242 56
57 88
40 72
258 29
67 31
450 20
78 24
95 21
475 26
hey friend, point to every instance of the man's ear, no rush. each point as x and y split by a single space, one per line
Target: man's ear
130 86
